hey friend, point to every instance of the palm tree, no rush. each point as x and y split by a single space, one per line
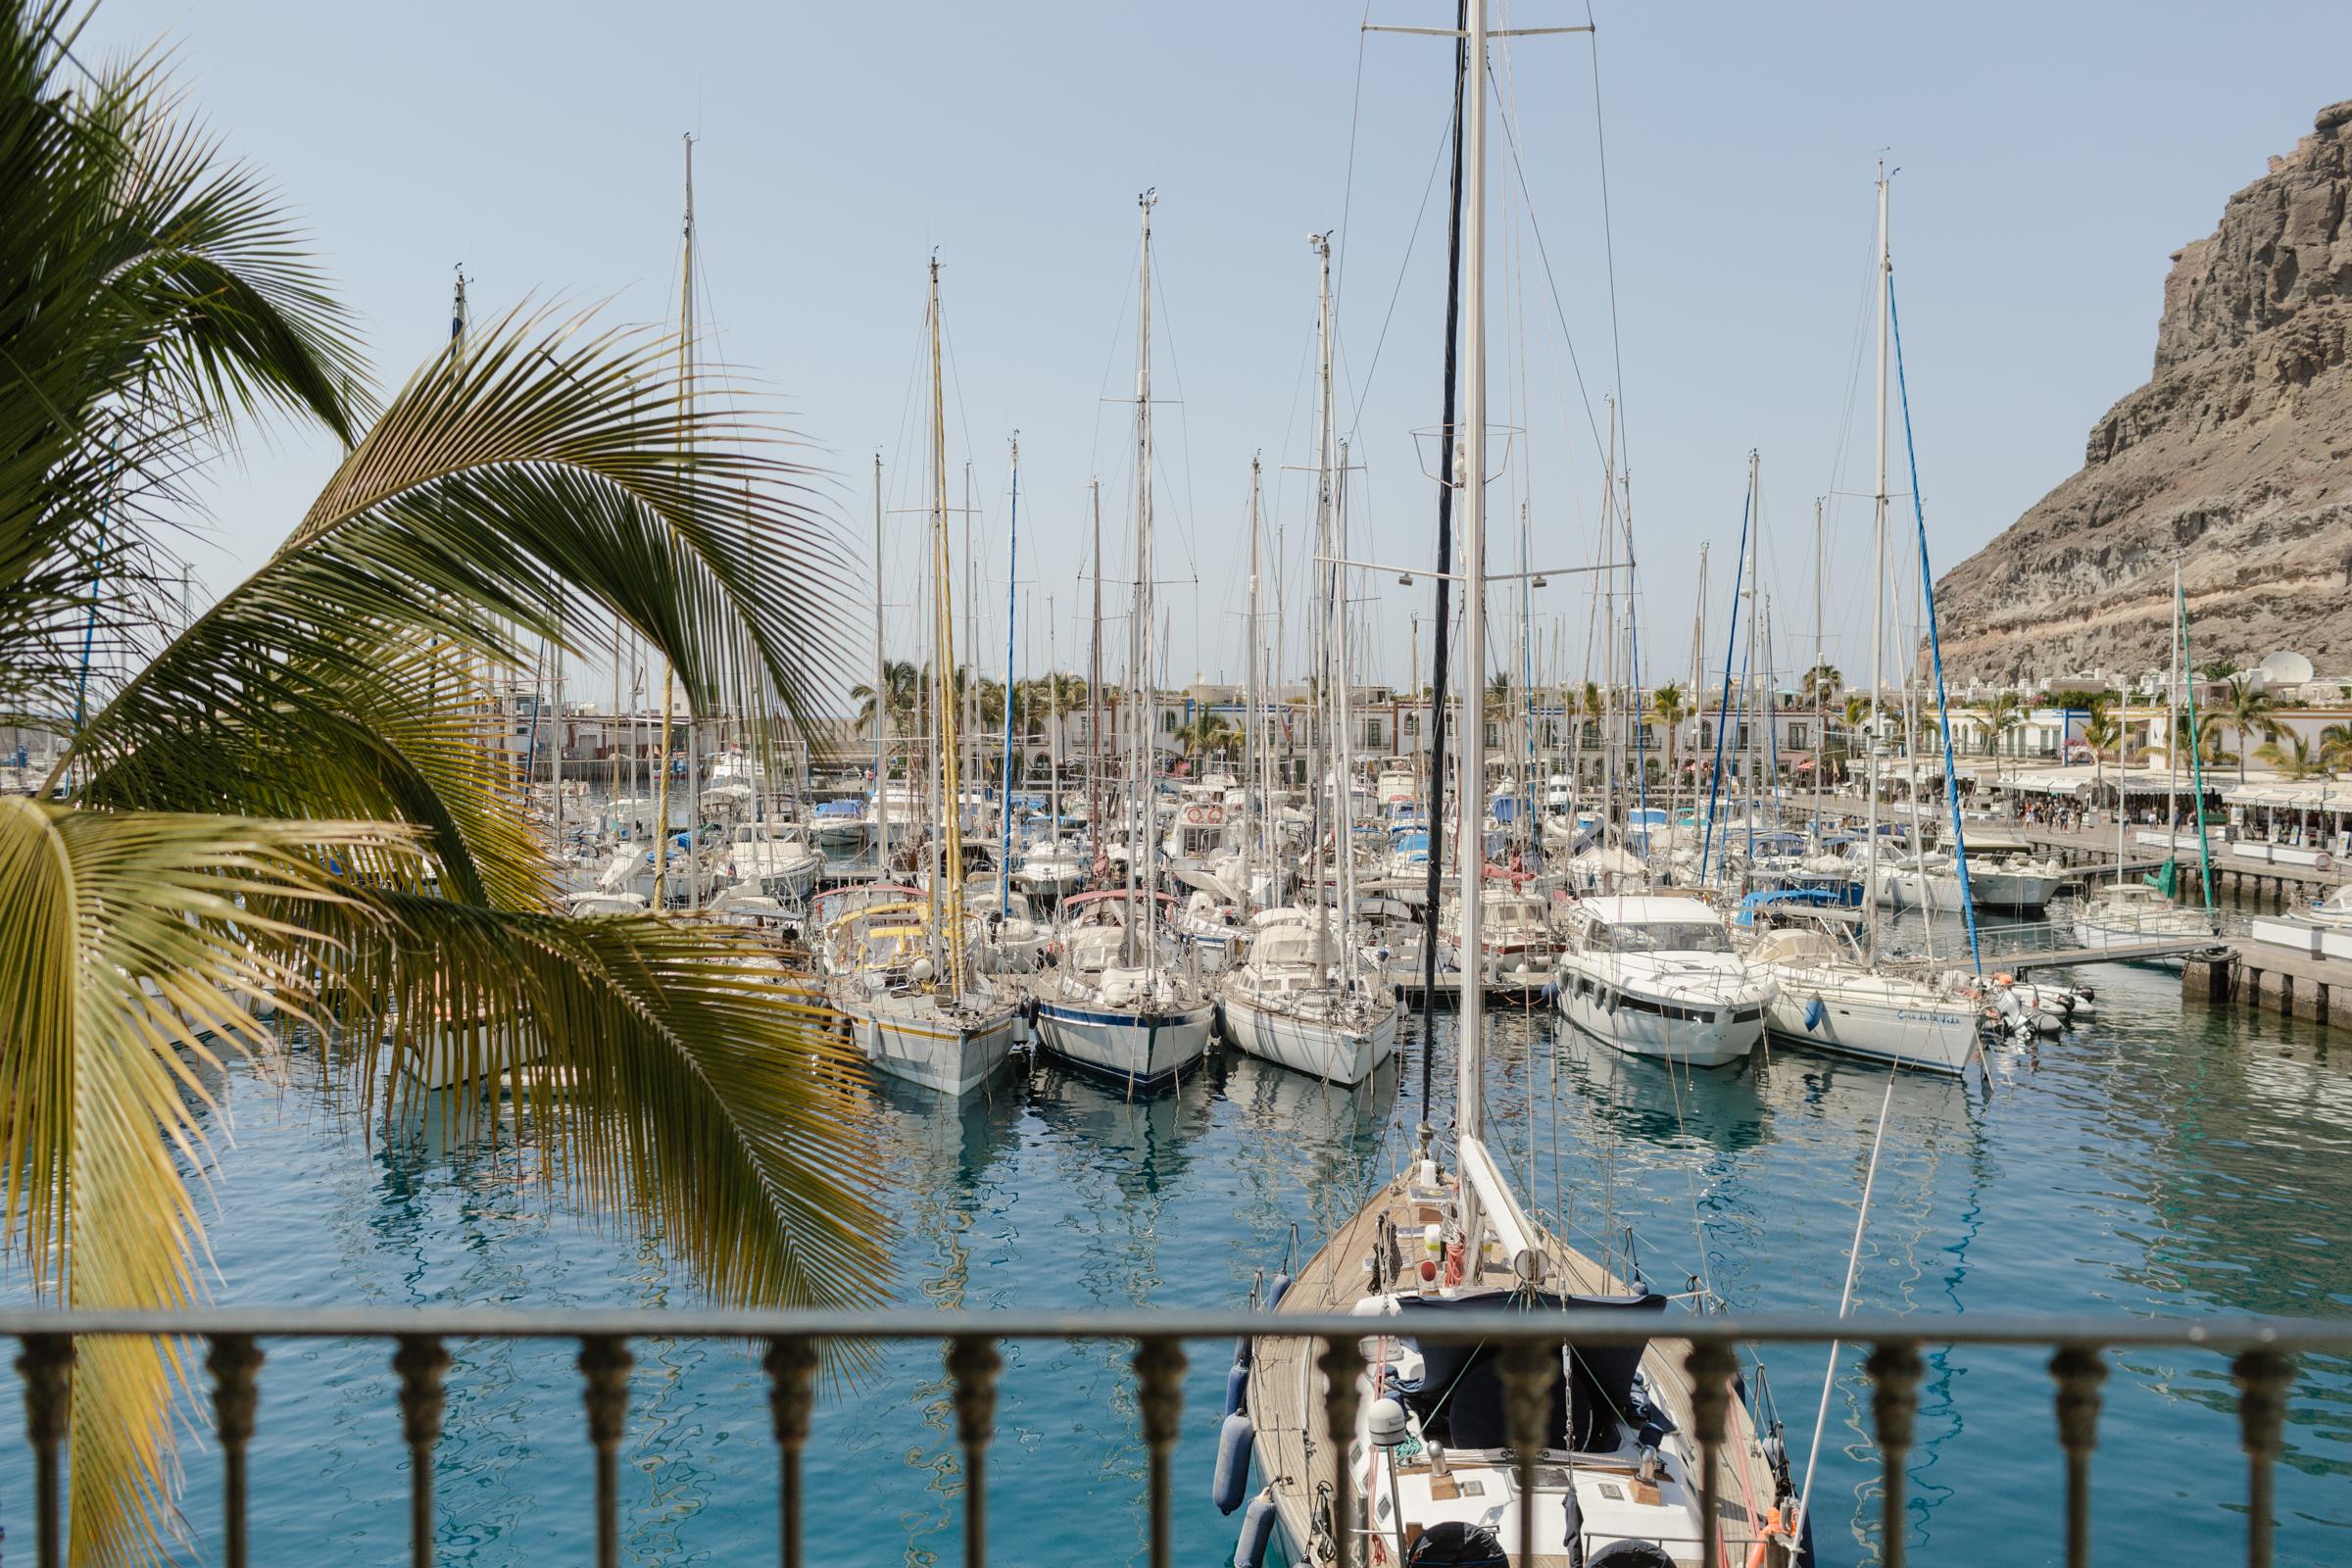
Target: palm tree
2290 754
1498 692
1857 722
900 679
2248 710
1822 683
1668 703
2335 747
2100 731
1207 734
291 796
2004 715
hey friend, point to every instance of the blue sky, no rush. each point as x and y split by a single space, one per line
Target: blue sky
2050 158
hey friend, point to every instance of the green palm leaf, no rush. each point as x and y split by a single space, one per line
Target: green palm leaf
133 943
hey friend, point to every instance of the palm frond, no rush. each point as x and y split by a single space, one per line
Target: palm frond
149 293
534 490
678 1073
132 943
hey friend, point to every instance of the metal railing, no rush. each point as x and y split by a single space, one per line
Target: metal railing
2263 1355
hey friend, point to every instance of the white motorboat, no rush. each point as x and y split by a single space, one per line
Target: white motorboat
2334 911
1305 1005
1927 882
1657 975
2011 877
773 859
1052 870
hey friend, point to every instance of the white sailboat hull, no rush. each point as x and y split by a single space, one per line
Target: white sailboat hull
1334 1051
1918 1032
1141 1051
940 1051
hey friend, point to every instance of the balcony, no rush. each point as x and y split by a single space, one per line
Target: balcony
2260 1357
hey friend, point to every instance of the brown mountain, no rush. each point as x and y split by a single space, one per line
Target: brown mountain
2237 456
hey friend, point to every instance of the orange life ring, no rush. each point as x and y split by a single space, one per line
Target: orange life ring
1194 813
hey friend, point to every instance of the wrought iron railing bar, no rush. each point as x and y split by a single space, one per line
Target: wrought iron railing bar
604 1368
2225 1334
2079 1370
234 1362
420 1363
46 1369
1894 1370
1159 1397
974 1362
2263 1378
1342 1363
791 1396
1711 1367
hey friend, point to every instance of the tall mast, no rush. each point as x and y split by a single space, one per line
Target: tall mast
1821 733
944 667
669 675
1144 786
2172 739
1053 732
1326 576
1441 623
1093 684
1878 594
1259 766
1470 474
882 696
1342 743
1755 648
1012 563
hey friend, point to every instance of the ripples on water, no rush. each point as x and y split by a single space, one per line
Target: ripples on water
2159 1163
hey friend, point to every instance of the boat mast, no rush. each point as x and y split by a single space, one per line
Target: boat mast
1470 474
1756 661
1327 580
669 675
1261 757
1094 687
1441 623
882 696
1012 562
944 667
1820 734
1343 745
2172 739
1053 735
1877 592
1145 787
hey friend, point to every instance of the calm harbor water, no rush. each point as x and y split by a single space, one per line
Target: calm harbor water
2158 1163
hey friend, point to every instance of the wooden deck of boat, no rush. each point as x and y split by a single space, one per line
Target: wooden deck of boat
1288 1401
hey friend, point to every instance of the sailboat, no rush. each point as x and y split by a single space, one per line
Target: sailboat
1427 1472
2123 912
1116 1004
1305 997
1830 993
912 992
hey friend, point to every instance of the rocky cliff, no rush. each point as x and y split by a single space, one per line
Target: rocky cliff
2236 458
